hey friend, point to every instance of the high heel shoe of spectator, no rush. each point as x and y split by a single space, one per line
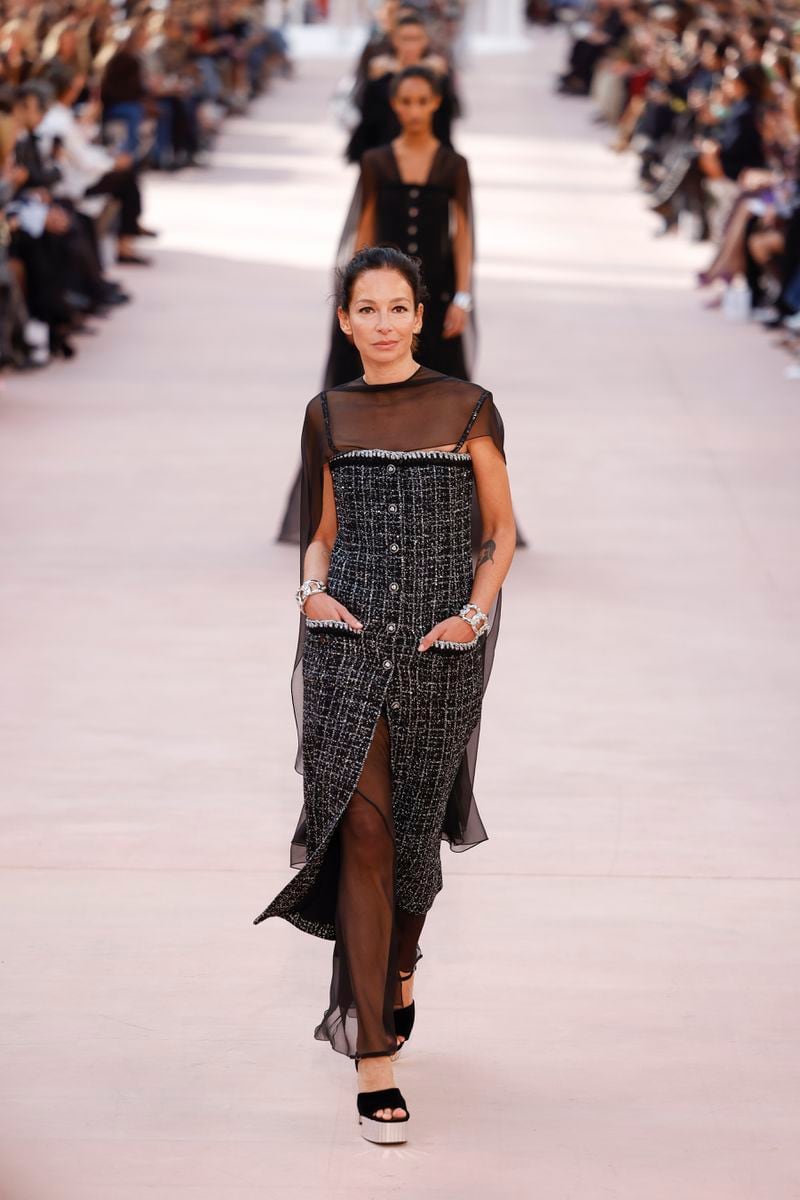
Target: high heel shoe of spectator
133 260
706 278
60 346
667 213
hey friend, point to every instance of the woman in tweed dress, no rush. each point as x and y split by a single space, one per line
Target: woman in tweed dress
396 642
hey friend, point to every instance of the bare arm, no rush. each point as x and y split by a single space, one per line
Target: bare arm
499 539
455 321
462 250
497 517
320 606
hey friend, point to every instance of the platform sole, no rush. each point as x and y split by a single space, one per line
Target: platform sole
385 1133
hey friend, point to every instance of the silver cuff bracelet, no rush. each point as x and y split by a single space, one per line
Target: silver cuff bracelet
476 618
308 588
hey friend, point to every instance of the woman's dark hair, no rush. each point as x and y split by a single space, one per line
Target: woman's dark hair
379 258
60 77
430 77
755 81
38 89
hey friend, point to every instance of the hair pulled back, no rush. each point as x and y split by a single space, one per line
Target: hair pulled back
379 258
416 72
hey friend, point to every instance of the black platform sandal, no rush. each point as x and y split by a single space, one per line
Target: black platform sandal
375 1129
403 1018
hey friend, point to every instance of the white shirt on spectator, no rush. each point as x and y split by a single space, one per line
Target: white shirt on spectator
82 162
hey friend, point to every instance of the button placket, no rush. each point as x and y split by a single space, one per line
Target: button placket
393 548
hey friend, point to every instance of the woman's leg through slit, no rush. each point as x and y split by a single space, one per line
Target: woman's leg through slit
374 940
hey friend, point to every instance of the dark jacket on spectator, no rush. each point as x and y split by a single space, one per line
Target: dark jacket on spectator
122 80
741 145
41 173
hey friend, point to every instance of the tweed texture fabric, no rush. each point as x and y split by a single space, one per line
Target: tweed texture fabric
398 512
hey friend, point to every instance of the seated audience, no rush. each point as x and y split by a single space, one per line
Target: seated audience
93 95
708 97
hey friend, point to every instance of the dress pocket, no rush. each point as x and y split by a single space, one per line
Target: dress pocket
332 627
439 644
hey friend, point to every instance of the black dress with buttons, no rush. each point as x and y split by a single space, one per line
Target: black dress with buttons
418 219
388 735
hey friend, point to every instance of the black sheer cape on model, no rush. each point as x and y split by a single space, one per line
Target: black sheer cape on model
387 736
419 414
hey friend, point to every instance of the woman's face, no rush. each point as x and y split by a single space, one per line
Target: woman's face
414 104
67 45
410 44
382 318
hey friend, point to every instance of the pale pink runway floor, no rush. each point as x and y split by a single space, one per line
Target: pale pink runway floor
609 995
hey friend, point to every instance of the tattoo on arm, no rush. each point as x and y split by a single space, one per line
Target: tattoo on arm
486 552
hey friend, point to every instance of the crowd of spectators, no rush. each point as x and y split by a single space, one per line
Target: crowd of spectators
93 95
707 94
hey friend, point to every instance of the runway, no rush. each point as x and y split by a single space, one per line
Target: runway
609 991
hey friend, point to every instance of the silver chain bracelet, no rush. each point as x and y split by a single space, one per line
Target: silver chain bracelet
308 588
476 618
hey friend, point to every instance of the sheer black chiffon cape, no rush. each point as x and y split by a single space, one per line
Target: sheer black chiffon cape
427 411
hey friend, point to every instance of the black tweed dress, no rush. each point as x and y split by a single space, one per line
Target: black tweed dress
401 562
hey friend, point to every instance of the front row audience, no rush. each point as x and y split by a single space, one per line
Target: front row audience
707 94
86 107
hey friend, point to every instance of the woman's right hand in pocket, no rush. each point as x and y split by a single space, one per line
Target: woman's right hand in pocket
322 607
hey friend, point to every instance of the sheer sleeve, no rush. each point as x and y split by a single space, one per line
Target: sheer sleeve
314 453
367 133
462 191
488 423
368 180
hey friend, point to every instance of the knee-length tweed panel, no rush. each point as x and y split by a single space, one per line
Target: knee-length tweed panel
401 562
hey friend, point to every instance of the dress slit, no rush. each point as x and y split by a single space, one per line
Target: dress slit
373 938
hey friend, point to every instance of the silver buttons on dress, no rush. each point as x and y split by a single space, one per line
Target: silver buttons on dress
392 508
395 704
414 193
394 547
391 468
413 212
387 664
394 587
391 627
412 247
412 229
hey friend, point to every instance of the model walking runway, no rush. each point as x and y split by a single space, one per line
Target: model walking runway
607 994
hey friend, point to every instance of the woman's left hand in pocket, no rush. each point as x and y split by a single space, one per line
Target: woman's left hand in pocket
454 629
